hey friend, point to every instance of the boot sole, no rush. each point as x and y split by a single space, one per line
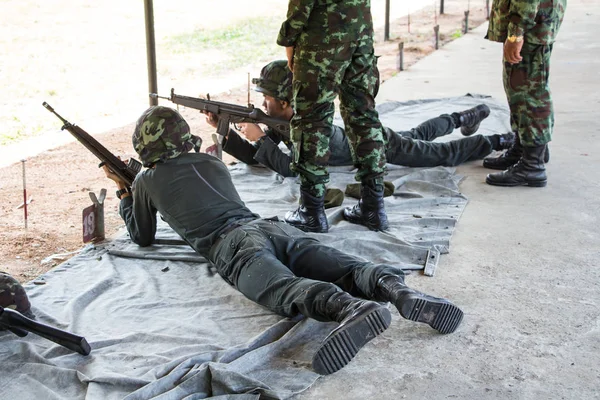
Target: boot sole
526 183
340 347
440 314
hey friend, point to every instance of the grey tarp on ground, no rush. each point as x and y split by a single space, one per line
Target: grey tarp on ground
181 332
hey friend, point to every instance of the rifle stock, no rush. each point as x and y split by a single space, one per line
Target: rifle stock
229 113
126 172
20 325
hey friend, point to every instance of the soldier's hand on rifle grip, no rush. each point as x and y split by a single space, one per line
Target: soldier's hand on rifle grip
112 176
211 118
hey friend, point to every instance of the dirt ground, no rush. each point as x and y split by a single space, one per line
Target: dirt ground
59 179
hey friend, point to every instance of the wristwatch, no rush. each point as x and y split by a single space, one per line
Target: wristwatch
121 192
514 39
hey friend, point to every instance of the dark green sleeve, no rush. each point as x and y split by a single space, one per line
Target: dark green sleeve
522 16
139 215
270 155
239 148
297 19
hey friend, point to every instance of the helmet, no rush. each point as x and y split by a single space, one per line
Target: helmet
275 80
161 133
13 296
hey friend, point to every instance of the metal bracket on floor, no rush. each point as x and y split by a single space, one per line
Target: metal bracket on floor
433 257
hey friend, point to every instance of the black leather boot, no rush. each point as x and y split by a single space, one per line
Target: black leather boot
310 215
370 210
471 118
413 305
528 171
360 321
510 157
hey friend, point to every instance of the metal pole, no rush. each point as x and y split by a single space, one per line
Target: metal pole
441 6
249 104
24 195
386 32
401 56
466 22
151 50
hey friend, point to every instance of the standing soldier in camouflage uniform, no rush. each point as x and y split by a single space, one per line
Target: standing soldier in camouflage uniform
528 29
329 44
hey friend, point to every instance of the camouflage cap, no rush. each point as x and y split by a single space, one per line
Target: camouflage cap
161 133
13 295
275 80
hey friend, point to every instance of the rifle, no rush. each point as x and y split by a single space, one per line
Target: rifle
229 113
20 325
127 172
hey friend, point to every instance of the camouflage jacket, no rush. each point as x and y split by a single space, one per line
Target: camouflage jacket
537 21
326 21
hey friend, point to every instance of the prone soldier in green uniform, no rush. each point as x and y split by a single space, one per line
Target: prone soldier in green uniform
528 29
270 262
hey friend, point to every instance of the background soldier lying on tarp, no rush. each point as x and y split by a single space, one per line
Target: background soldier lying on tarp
409 148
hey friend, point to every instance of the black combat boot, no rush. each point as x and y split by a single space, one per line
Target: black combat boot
470 119
528 171
413 305
360 321
370 210
310 215
510 157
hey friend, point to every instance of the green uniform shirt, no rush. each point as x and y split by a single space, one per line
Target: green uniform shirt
193 193
538 21
316 22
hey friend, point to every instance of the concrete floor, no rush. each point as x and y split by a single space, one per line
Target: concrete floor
523 262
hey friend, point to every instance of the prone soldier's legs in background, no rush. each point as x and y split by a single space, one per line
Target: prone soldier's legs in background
419 153
431 129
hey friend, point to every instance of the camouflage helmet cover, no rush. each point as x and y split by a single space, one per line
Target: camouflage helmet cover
161 133
275 80
13 295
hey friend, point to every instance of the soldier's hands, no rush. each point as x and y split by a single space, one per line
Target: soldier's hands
112 176
211 118
512 51
252 132
289 51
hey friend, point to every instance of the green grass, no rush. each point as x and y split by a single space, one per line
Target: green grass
239 44
457 34
18 131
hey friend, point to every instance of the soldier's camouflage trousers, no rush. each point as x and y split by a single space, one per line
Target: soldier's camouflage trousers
528 94
344 69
